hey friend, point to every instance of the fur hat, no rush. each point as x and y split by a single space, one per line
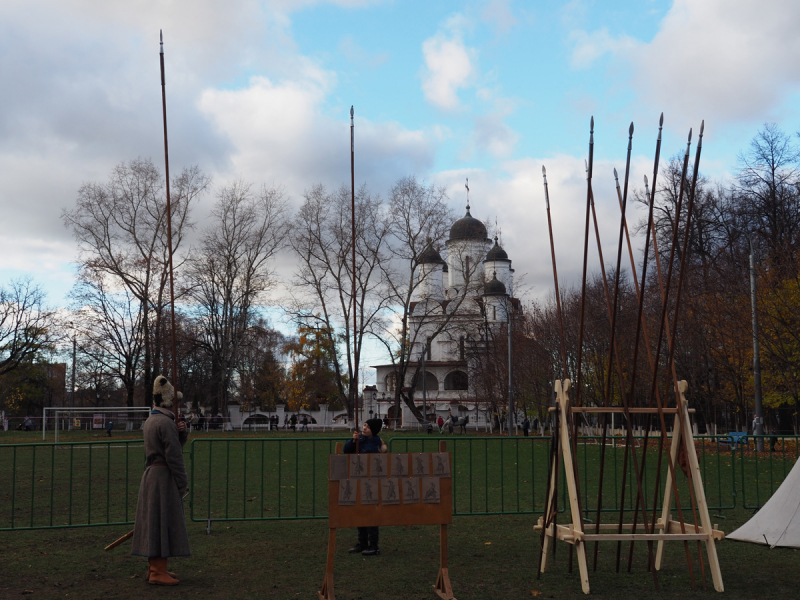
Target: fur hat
374 425
163 392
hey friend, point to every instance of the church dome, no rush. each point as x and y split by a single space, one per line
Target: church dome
430 255
494 287
468 228
496 253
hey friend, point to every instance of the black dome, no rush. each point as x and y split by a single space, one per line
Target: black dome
496 253
430 256
494 287
468 228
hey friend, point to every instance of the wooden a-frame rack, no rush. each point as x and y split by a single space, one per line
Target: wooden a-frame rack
669 529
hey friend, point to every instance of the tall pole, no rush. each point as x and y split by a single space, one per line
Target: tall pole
759 429
354 382
175 406
72 394
424 387
510 385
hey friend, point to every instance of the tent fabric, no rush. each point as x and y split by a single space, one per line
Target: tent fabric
777 524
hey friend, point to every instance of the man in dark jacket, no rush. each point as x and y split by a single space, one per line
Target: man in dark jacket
160 529
367 442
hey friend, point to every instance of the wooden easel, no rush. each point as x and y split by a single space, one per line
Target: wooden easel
670 530
387 515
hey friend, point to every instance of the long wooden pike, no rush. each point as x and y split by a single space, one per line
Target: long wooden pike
681 277
646 335
579 361
175 382
617 360
612 345
659 344
551 515
354 379
555 275
625 401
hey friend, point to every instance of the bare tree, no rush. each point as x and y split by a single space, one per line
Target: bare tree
110 325
229 273
26 325
120 227
322 295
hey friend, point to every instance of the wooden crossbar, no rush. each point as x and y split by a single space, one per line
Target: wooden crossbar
639 410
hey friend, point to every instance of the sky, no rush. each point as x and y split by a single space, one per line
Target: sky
491 90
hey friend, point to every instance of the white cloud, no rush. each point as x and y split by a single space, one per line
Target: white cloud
499 14
588 47
448 68
732 58
279 134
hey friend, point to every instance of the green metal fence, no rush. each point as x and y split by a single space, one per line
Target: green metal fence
260 479
79 484
82 484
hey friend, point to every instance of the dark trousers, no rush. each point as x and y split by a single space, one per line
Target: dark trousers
368 537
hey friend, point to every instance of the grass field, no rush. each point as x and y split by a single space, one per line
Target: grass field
491 555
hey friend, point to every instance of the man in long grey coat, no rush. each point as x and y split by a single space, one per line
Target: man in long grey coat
160 528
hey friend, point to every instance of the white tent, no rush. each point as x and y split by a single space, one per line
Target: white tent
778 521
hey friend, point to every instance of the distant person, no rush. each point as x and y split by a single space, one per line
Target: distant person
450 423
304 423
286 421
526 425
430 428
293 423
773 441
386 422
27 424
109 427
440 423
367 442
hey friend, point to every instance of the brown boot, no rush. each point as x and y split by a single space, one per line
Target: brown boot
147 574
159 574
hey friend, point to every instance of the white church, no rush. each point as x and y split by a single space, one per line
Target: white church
473 287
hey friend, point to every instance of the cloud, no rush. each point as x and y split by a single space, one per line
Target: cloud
589 47
279 134
499 14
448 68
736 59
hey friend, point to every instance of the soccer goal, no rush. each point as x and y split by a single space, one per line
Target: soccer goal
98 419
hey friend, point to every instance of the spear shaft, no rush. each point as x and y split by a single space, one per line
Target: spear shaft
354 381
176 405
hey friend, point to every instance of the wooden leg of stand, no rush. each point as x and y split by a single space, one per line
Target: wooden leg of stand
548 503
677 434
327 593
443 588
700 495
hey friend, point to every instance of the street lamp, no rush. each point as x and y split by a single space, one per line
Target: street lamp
374 397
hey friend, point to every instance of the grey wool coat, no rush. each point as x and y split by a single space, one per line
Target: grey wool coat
160 528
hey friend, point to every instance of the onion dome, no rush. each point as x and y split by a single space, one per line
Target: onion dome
496 253
430 255
494 287
468 228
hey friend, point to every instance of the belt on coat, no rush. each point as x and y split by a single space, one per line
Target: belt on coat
159 464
